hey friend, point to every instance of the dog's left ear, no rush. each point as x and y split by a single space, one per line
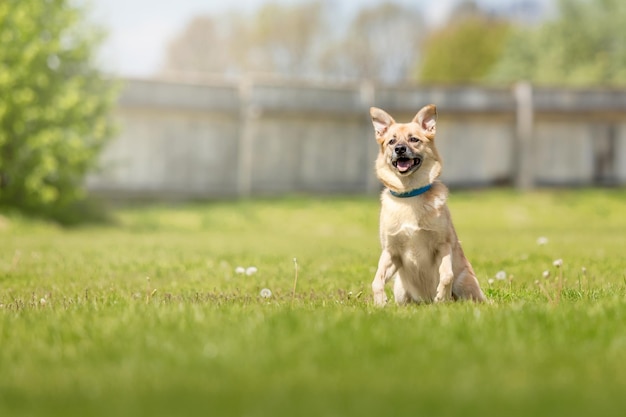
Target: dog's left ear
427 119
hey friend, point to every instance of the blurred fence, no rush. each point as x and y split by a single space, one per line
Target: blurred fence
226 139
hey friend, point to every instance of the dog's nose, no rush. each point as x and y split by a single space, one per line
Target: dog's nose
400 149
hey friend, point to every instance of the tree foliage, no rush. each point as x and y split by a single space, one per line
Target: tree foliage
381 43
54 104
465 51
281 39
286 39
302 40
585 44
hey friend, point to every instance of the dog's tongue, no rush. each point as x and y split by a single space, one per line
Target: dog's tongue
404 164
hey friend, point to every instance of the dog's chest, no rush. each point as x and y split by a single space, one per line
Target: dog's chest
407 227
403 229
405 237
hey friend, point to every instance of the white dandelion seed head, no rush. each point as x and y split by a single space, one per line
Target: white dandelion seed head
501 275
558 263
546 274
240 270
490 281
265 293
42 301
584 270
542 240
54 62
251 270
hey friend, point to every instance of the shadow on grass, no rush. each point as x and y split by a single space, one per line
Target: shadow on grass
88 211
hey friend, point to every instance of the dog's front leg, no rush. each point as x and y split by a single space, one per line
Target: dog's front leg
446 276
386 269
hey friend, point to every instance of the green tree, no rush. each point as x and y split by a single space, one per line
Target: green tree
54 104
381 43
285 39
277 39
210 44
465 50
584 45
307 39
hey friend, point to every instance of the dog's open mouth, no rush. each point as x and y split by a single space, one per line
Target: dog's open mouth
405 165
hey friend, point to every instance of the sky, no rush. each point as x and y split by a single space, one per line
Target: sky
140 30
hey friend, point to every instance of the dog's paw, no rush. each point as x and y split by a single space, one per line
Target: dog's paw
380 298
442 299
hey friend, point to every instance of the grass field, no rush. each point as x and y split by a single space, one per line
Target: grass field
148 316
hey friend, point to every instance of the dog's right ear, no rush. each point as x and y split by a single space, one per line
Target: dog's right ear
381 120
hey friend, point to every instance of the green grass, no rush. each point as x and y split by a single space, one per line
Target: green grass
148 317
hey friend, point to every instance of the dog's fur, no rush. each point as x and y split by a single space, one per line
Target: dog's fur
419 244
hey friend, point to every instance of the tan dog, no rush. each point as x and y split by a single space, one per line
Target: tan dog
419 244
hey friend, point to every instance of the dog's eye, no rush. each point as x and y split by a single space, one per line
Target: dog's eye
392 142
413 139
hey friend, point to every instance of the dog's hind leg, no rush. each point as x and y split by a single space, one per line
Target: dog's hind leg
466 287
446 276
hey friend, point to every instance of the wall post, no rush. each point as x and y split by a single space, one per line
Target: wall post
367 91
523 158
247 130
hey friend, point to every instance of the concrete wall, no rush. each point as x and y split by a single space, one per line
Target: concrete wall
220 139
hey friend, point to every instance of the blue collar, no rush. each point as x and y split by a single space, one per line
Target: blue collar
412 193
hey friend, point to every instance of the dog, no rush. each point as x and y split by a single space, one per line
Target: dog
419 244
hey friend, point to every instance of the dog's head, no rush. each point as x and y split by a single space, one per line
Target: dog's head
408 157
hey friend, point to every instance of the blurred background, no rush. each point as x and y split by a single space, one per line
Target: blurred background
390 41
212 99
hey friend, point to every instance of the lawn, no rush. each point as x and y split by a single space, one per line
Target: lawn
150 315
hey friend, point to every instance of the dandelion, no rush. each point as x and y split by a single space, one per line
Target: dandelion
542 240
265 293
490 281
558 263
501 275
240 270
42 301
251 270
546 274
584 270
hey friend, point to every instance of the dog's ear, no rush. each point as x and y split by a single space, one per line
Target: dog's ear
427 119
381 120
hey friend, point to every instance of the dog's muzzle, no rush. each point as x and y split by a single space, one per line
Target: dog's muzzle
404 160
